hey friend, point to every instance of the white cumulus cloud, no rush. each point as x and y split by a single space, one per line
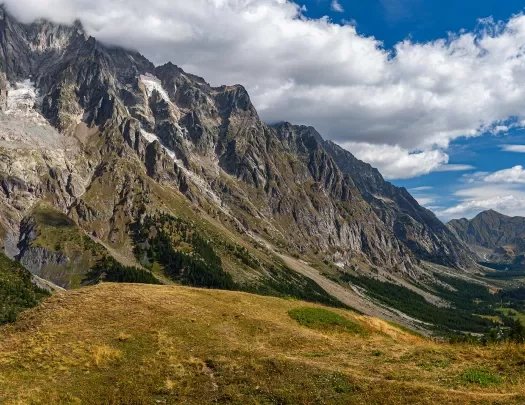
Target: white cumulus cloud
515 174
454 168
502 191
422 188
509 205
395 162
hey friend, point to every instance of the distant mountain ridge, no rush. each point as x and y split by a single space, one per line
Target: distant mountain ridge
491 230
417 227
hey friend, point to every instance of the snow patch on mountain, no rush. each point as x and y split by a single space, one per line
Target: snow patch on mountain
22 126
22 98
152 138
153 83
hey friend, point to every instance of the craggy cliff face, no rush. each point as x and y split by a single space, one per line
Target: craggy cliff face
104 136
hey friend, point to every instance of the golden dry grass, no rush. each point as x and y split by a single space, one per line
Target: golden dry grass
104 355
141 344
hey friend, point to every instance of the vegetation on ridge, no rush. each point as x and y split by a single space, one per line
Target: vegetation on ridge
17 291
413 304
57 233
181 250
108 269
185 255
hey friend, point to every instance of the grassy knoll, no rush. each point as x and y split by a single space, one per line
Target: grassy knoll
323 319
146 344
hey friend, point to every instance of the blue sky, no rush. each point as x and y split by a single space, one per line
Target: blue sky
392 21
431 92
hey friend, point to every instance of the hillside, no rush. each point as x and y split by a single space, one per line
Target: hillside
417 227
496 237
160 344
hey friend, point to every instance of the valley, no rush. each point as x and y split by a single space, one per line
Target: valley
160 242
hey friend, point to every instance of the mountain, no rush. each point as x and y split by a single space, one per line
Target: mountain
416 227
210 137
107 158
497 237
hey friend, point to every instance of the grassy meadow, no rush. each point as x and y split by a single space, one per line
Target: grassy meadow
148 344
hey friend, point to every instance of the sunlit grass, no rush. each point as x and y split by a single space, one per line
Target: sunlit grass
146 344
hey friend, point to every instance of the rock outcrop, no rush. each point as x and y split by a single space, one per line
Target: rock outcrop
3 92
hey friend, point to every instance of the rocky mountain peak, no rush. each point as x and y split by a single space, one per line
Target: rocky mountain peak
490 214
233 100
44 36
495 231
138 137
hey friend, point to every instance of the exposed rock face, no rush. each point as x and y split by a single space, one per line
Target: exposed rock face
416 227
492 230
115 128
3 92
36 258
